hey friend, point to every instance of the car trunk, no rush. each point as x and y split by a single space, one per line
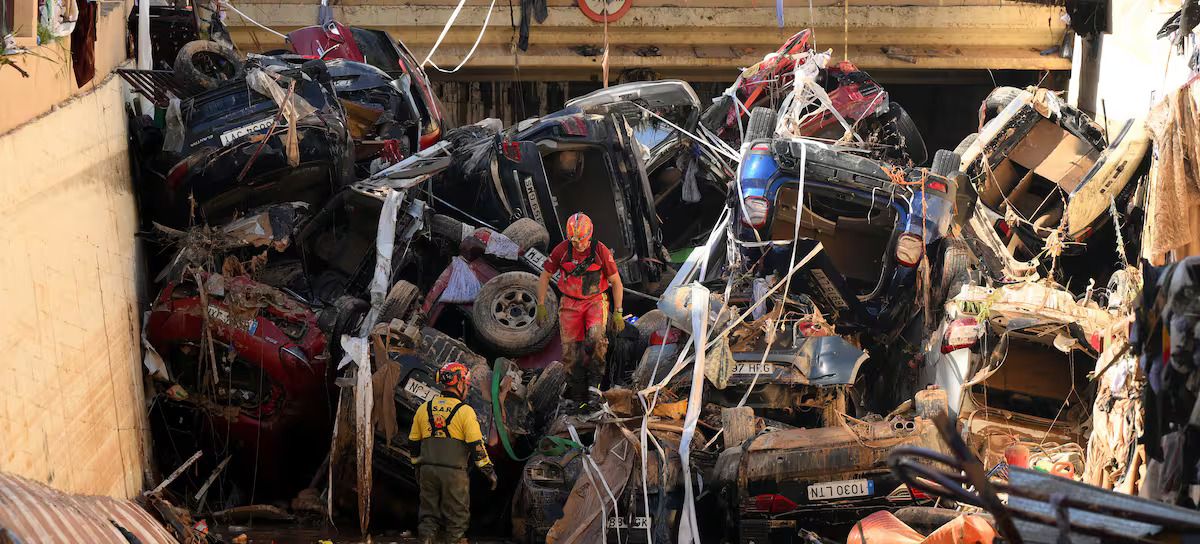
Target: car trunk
1038 395
856 231
588 186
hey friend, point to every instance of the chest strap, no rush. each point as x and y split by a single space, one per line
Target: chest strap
581 267
434 429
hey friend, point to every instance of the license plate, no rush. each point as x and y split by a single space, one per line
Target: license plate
419 390
537 260
842 489
753 368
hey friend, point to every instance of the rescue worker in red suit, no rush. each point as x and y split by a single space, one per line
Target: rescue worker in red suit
587 271
449 437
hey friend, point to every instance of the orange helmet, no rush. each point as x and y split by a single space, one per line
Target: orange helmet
579 227
453 373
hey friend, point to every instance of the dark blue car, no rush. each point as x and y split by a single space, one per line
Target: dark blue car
875 221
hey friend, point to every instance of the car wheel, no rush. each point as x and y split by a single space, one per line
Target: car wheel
997 100
905 129
761 125
344 316
207 64
447 227
399 302
504 310
651 322
945 163
956 259
528 233
965 144
547 389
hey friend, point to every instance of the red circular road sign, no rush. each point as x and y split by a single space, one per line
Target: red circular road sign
596 9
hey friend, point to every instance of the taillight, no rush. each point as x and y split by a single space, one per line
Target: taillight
770 504
936 186
909 249
176 175
657 338
755 209
961 333
1096 341
917 494
1004 228
761 148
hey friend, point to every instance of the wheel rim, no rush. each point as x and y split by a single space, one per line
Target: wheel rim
515 308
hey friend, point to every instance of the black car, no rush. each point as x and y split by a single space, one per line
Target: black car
546 169
230 147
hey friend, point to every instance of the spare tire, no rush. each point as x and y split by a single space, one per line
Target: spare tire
956 260
528 233
997 100
504 311
207 64
945 163
547 389
761 125
399 302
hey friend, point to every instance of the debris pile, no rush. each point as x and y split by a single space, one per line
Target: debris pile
824 332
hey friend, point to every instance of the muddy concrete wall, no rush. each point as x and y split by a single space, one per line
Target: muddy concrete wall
71 402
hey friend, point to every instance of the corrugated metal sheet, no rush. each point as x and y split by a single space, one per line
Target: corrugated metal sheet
33 512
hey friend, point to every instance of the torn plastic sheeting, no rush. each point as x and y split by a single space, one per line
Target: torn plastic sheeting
264 84
173 132
154 362
358 349
689 528
385 241
718 366
583 514
463 287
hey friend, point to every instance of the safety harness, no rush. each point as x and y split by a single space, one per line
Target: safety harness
440 449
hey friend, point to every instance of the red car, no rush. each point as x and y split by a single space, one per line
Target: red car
858 98
270 403
377 48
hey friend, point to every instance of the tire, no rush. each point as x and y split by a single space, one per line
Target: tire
965 144
447 227
956 259
651 322
528 233
945 163
908 134
503 314
997 100
207 64
399 302
547 389
761 125
342 317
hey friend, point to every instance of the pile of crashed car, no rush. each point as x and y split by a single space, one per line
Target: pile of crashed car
811 299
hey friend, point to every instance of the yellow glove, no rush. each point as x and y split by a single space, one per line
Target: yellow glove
617 321
541 317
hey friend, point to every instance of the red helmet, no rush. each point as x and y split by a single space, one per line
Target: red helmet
579 227
453 373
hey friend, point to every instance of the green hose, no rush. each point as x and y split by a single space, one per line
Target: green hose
547 445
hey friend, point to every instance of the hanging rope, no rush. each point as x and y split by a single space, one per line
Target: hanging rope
470 53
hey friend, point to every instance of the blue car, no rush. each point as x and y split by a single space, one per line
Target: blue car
876 223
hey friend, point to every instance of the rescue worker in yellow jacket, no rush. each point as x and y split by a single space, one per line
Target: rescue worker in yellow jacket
449 437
